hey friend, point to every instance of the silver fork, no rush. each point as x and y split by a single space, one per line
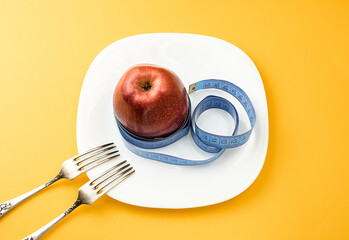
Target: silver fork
71 168
90 192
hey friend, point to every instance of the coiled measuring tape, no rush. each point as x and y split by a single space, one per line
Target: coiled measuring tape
208 142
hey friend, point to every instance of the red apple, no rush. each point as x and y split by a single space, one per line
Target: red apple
150 101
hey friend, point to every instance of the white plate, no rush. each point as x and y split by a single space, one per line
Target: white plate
193 58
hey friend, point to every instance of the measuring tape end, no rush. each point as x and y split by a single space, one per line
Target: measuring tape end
193 87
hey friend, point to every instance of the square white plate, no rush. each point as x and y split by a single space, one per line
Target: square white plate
192 58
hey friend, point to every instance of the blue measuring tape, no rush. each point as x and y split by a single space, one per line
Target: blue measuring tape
208 142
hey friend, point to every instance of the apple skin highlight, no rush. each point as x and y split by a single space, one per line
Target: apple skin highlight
150 101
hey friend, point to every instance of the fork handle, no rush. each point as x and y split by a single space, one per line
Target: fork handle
36 235
9 205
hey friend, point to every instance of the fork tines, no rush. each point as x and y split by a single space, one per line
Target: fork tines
96 188
97 149
96 156
112 177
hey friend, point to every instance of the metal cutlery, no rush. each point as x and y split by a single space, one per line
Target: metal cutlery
90 192
71 168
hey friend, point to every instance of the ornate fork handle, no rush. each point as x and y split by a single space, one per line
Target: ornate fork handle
7 206
36 235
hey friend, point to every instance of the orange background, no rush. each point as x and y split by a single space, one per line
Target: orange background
301 50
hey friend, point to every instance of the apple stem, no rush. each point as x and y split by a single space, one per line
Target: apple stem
146 86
